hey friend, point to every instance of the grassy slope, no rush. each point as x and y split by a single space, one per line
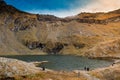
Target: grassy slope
79 37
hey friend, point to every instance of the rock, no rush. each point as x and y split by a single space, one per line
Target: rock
36 63
47 18
116 62
14 67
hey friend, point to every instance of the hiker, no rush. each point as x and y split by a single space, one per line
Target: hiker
87 69
43 68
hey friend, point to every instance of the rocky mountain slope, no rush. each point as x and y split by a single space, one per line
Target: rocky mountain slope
83 34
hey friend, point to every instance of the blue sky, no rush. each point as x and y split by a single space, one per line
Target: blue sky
47 4
63 8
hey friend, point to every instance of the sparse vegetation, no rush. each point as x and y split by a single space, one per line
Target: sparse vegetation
24 33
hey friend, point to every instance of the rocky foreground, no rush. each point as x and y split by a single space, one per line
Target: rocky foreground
12 69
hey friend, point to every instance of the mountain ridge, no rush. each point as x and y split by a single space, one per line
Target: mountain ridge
23 33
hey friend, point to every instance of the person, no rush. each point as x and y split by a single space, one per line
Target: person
88 69
43 68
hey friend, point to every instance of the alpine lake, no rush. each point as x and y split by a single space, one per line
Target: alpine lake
63 62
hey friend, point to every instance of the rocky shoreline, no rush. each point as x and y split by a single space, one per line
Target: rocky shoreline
10 68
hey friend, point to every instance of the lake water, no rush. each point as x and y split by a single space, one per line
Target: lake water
68 63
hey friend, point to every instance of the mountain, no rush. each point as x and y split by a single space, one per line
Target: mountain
23 33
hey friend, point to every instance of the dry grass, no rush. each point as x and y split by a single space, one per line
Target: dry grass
51 76
108 73
49 33
98 16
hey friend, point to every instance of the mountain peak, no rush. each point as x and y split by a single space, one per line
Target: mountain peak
4 7
2 2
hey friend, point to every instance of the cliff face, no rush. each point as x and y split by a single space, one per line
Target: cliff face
24 33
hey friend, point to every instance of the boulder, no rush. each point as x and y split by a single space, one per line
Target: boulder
13 67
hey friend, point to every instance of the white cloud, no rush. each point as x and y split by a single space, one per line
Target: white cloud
93 6
102 6
58 13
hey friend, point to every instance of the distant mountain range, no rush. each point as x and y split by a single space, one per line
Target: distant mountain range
86 34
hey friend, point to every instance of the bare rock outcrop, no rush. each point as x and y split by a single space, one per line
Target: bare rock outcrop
14 67
47 18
